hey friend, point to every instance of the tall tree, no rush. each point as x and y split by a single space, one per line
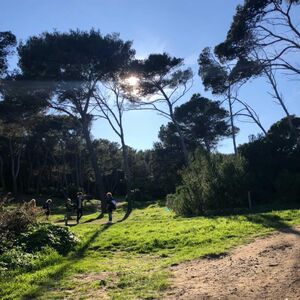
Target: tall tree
267 28
19 106
163 81
112 106
71 65
7 42
265 32
215 77
203 121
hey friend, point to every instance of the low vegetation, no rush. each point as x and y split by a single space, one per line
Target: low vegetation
130 260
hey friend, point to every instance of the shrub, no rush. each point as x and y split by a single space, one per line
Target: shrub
213 182
41 236
16 258
288 186
15 220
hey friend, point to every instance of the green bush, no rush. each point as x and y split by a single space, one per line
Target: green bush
45 235
16 258
15 220
288 186
210 182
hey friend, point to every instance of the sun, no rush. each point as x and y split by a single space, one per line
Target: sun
132 81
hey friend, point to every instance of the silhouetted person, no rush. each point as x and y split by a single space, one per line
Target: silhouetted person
46 208
110 206
69 208
80 198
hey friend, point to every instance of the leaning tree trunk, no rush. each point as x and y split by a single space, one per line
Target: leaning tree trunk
127 177
100 194
232 122
279 98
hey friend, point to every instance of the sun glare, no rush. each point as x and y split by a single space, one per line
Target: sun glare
133 84
132 80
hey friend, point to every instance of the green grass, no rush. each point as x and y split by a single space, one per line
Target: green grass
130 260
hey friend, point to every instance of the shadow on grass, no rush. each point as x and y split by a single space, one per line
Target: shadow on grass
271 221
246 211
55 277
61 210
99 217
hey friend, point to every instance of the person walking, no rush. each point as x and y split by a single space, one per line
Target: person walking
69 208
80 198
111 205
46 208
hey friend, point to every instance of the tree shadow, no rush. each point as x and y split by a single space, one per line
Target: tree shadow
260 209
271 221
54 278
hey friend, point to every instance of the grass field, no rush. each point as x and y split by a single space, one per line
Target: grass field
130 259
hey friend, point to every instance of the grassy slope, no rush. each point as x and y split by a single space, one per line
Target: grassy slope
130 260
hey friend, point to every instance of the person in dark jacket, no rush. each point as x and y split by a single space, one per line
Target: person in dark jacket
110 206
80 198
46 208
69 208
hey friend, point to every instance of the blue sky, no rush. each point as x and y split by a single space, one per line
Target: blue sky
180 27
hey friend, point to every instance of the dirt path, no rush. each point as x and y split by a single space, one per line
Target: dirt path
268 268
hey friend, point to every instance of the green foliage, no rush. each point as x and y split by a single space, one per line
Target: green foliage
166 161
16 220
214 75
202 121
160 71
47 235
7 41
214 182
273 163
16 258
287 185
132 258
75 55
254 34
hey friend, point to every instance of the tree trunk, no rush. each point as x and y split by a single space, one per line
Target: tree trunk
272 80
182 142
2 174
232 123
76 163
15 166
127 176
29 179
100 193
181 137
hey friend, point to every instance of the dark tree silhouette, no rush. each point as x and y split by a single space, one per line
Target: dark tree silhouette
71 65
203 121
111 102
7 42
265 32
163 80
